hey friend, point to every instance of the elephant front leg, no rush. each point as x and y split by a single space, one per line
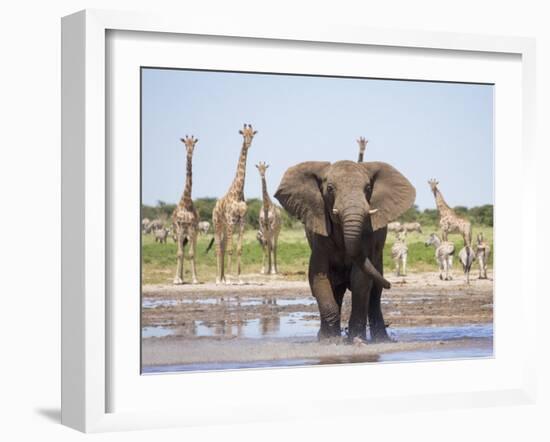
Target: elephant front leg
328 308
377 325
360 293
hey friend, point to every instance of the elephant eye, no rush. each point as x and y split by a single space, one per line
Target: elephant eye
368 188
330 188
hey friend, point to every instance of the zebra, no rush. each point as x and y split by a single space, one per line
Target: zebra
467 258
399 253
444 251
482 254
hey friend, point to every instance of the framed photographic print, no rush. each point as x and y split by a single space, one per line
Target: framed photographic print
250 211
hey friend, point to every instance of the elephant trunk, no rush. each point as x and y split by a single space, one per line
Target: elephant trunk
352 223
368 267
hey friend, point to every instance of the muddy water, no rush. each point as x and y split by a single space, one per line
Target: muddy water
234 322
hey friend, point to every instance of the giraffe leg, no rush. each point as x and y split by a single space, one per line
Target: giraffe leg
275 241
228 243
192 252
178 279
269 247
405 264
264 260
480 262
220 278
273 256
240 249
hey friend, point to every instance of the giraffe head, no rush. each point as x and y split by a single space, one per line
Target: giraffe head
248 134
189 142
362 141
262 167
433 185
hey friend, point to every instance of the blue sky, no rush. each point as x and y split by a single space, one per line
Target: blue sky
425 129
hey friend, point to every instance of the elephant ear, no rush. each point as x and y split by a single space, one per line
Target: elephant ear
392 193
300 194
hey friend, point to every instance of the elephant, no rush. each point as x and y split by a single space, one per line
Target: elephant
345 208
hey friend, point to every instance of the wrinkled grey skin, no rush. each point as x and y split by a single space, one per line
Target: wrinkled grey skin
345 207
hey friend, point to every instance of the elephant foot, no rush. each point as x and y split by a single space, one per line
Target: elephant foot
358 341
329 333
383 340
353 333
331 340
379 334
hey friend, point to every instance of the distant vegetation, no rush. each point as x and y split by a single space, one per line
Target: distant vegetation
480 215
205 207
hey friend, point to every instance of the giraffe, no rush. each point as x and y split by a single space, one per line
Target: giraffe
362 146
229 212
449 221
185 218
270 225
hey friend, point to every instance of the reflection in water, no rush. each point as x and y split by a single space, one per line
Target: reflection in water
156 332
229 302
292 325
270 324
306 324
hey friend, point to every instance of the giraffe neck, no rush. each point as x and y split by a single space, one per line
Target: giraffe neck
441 204
265 195
186 199
237 187
360 159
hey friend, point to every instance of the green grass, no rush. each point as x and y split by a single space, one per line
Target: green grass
159 260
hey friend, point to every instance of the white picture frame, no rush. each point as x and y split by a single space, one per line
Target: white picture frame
86 315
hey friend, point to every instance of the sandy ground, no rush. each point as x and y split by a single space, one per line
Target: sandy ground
416 300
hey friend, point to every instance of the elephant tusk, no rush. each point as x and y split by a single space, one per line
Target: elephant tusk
335 211
372 211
